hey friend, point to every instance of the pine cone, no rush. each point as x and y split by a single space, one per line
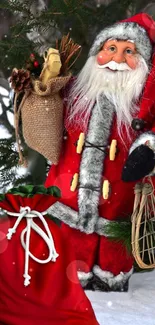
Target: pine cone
20 80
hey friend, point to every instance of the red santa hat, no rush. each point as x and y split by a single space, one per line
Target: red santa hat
140 29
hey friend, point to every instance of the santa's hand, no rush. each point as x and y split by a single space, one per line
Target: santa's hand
141 159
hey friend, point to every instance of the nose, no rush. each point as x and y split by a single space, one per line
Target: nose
119 57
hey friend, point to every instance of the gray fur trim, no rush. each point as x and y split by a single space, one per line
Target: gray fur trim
71 217
99 227
84 278
146 136
124 31
91 167
64 213
114 282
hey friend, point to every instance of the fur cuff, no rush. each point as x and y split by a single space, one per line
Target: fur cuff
142 139
84 278
64 213
114 282
70 217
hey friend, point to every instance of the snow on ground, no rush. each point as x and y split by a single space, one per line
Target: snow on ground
135 307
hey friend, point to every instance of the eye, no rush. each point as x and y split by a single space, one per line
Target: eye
112 48
129 51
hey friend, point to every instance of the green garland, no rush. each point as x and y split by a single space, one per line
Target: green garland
31 190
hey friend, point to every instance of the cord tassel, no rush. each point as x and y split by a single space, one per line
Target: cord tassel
26 212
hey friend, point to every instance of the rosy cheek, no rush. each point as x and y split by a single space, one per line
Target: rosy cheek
102 58
132 62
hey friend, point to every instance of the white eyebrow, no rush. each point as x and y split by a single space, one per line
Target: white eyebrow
131 41
114 39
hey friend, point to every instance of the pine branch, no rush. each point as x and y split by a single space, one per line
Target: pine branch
4 120
81 18
119 231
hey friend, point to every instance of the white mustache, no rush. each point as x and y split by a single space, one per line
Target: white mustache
115 66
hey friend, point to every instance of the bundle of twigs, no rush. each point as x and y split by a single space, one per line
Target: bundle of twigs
143 226
69 53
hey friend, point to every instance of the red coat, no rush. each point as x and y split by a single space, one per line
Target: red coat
69 164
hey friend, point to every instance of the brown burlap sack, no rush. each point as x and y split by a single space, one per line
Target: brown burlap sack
42 118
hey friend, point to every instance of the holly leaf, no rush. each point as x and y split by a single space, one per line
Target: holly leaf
31 190
2 197
54 190
39 189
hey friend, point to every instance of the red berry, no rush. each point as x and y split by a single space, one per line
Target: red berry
36 64
32 57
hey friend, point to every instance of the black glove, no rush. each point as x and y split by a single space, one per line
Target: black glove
139 164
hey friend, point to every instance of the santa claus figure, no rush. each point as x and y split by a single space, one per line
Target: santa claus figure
109 145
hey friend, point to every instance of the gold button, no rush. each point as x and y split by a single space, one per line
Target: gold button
80 143
113 150
74 182
106 190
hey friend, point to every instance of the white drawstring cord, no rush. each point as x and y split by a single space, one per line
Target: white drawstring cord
47 236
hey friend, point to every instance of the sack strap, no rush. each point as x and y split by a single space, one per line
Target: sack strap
17 112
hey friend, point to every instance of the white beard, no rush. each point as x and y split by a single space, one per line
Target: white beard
122 88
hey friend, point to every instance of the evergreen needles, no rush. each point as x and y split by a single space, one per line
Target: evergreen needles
119 231
83 19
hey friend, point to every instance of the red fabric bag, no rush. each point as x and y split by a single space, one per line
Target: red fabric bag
51 293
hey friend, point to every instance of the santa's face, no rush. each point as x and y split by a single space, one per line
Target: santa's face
119 73
119 52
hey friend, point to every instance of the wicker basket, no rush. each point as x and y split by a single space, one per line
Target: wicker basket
143 226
